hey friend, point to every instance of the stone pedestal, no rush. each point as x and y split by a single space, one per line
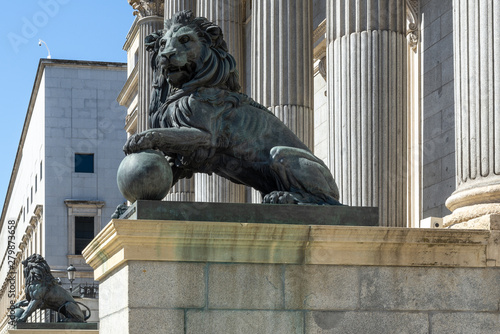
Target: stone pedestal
477 112
367 99
172 276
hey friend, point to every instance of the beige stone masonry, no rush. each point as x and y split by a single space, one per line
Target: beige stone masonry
152 240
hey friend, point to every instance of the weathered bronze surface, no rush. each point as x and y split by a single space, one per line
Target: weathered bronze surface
253 213
43 292
201 122
144 175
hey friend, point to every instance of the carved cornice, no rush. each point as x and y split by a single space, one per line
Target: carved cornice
145 8
412 22
320 31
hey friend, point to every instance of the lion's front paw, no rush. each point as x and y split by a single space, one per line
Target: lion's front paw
279 197
142 141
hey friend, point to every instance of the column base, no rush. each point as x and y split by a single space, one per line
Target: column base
472 207
460 219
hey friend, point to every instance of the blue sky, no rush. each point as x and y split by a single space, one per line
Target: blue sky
72 29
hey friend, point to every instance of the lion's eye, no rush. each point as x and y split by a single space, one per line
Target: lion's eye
184 39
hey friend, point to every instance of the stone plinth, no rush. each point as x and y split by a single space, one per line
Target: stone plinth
58 325
253 213
161 276
55 328
53 331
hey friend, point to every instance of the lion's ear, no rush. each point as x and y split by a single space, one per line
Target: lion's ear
215 33
152 40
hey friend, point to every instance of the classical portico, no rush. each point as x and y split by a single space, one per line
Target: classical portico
385 138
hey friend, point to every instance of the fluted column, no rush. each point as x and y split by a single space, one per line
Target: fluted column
227 15
184 190
366 54
150 15
477 111
282 62
174 6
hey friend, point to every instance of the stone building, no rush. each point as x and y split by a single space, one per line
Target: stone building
63 189
398 98
369 86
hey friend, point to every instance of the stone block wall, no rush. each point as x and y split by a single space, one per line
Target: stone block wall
165 276
438 144
173 297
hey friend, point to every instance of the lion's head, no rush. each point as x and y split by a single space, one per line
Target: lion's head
189 53
192 53
36 269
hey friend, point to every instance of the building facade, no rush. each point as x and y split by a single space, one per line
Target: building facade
63 188
397 97
368 85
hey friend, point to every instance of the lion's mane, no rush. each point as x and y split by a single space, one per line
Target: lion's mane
218 69
37 264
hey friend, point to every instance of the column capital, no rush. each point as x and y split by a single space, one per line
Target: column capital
412 22
145 8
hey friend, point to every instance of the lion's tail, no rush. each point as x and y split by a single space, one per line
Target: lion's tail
74 301
88 309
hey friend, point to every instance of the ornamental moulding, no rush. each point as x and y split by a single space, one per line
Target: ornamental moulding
412 22
145 8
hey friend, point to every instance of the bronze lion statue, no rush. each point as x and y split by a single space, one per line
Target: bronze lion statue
42 291
202 124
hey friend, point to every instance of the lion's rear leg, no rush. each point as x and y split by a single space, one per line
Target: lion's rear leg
302 178
72 312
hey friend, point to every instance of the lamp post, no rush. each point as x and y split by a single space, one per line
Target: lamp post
40 44
71 276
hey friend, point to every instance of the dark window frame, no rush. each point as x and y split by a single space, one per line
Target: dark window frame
84 232
84 163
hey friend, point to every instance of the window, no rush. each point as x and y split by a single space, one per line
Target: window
84 163
84 221
36 183
31 197
84 232
40 170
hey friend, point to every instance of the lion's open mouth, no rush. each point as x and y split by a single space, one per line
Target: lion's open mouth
172 69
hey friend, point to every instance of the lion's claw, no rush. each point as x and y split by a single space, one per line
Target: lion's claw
279 197
142 141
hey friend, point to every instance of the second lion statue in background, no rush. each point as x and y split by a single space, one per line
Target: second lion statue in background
201 122
42 291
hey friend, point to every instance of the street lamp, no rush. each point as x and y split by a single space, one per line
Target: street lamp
71 276
40 44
